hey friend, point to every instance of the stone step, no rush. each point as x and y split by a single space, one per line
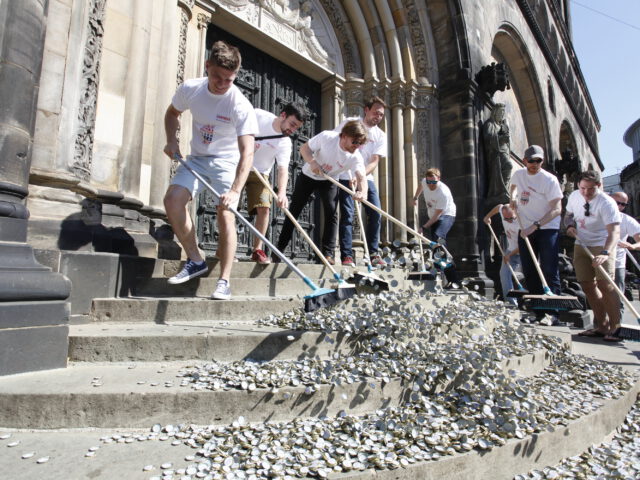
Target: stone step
219 341
110 395
163 310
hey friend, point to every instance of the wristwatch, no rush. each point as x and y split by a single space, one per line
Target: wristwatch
537 224
604 252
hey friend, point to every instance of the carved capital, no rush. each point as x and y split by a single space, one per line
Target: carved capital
203 20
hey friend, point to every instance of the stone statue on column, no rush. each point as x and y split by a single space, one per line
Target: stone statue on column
497 154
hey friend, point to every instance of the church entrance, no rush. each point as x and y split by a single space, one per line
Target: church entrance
268 84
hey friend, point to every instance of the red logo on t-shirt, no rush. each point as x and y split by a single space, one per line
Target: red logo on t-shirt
524 197
207 132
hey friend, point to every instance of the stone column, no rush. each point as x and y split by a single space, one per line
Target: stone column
130 155
33 312
399 186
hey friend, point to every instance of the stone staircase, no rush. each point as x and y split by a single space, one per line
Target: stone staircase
131 367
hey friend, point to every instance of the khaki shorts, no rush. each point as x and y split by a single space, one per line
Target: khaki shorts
257 194
582 263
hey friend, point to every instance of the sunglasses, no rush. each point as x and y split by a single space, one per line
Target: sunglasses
431 182
622 204
587 212
534 160
509 219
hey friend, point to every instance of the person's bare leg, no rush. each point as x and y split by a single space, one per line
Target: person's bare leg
611 302
262 223
228 241
176 202
594 297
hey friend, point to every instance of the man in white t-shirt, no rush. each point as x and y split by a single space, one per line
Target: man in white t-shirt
332 153
629 227
372 152
593 219
440 205
222 145
511 249
273 145
536 196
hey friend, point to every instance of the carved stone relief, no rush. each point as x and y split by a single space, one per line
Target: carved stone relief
82 158
418 40
298 24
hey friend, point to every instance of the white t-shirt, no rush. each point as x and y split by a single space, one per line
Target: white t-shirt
511 230
629 227
376 144
333 160
438 199
273 149
603 211
534 194
218 120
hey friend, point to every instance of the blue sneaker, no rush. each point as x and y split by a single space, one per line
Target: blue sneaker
190 270
223 291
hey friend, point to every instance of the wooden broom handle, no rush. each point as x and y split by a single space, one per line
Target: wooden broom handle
545 287
503 255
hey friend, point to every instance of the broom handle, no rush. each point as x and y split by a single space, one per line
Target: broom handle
387 216
248 224
415 221
362 234
297 225
611 281
503 255
545 287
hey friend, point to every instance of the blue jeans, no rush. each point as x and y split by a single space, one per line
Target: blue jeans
347 213
506 279
545 244
441 228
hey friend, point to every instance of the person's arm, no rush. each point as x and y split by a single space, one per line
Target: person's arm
416 195
246 145
513 196
171 126
362 186
613 235
283 179
555 208
631 246
307 155
373 163
434 218
492 212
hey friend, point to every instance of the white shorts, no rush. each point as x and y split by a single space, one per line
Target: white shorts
218 172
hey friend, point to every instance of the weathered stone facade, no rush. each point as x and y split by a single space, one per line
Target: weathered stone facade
109 69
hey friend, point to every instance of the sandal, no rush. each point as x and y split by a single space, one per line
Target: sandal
613 336
592 332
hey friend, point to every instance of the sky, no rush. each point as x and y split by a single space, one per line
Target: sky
609 54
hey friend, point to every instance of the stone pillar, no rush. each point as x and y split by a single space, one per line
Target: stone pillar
397 147
33 312
130 155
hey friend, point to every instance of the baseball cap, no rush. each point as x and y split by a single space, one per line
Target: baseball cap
534 151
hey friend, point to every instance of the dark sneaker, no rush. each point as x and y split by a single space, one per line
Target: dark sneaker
260 257
223 290
190 270
330 259
376 261
275 258
348 262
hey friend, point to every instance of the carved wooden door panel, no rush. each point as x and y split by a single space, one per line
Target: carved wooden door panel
267 83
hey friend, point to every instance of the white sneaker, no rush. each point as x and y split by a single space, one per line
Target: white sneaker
223 290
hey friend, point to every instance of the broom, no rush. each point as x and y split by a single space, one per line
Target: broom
423 274
367 278
432 244
511 293
344 289
628 332
319 297
548 301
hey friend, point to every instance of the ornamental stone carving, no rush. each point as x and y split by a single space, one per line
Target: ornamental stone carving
297 24
82 158
418 40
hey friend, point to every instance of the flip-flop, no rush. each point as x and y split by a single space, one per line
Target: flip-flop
613 336
592 332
